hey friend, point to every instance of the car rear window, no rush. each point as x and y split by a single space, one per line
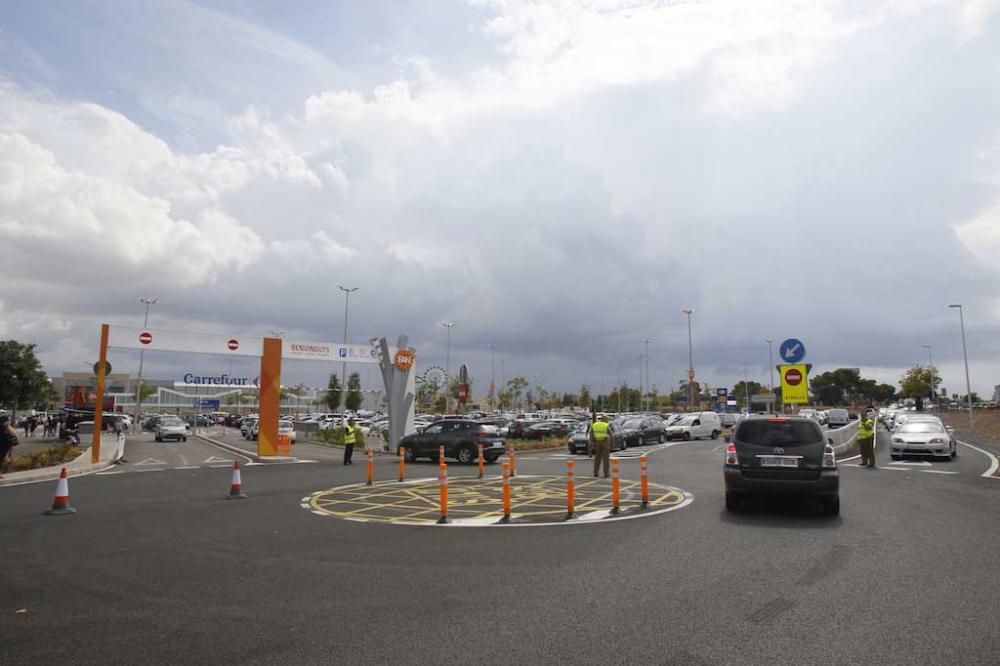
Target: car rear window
761 432
921 427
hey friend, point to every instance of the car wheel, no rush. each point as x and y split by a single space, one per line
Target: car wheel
158 438
466 455
715 434
184 439
954 453
491 459
624 445
732 503
687 437
832 506
895 457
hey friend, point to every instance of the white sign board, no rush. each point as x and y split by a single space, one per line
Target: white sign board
131 337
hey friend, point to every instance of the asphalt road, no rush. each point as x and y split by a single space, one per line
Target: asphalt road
158 567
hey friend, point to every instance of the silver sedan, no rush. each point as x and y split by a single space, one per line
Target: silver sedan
922 438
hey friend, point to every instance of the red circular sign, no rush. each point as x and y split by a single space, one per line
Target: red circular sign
233 344
793 377
145 337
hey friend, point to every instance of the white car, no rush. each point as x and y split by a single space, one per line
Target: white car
695 426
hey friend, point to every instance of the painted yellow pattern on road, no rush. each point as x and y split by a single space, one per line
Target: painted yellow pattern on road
535 499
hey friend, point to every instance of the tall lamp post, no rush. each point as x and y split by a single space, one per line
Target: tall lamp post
343 369
138 389
930 368
770 358
493 385
689 312
646 342
965 357
447 366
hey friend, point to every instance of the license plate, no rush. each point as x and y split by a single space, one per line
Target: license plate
496 445
778 461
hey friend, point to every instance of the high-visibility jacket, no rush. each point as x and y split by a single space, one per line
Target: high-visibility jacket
601 430
350 435
866 429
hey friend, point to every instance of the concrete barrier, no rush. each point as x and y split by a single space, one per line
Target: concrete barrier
845 439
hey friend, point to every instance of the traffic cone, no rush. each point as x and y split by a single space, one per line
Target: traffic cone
236 487
60 503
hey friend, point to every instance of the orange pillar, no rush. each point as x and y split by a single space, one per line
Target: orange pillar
270 397
95 450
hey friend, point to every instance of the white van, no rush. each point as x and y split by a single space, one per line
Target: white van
695 425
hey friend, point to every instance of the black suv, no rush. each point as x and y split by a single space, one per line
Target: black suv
783 457
460 438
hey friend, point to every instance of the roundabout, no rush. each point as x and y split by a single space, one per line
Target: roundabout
535 500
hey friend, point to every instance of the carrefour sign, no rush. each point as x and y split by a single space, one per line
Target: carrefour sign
191 379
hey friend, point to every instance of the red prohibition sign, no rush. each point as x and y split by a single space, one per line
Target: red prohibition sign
233 344
793 377
145 337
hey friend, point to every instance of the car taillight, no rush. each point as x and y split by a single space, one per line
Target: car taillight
731 457
829 458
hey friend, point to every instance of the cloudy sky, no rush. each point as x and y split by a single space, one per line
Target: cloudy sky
558 178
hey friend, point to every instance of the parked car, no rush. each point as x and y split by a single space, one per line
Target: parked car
247 427
519 427
923 437
640 430
781 457
579 439
549 429
287 428
460 438
151 422
171 427
695 426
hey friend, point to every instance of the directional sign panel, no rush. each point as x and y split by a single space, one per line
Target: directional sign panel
792 351
794 383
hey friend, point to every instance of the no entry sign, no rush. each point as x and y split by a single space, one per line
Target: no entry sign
793 377
233 344
145 337
794 387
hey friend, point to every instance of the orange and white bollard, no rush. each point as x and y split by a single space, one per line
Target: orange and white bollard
570 490
513 461
482 462
615 489
644 480
402 463
506 493
236 486
443 481
371 466
60 503
441 454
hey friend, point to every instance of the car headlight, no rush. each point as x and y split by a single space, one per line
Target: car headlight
937 440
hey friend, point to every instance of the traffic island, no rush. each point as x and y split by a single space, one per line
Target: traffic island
535 501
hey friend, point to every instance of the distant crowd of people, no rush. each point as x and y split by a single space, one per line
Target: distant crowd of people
51 425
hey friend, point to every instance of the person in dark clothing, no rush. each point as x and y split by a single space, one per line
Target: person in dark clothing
8 440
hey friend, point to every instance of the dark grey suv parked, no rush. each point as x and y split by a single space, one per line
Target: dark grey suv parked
781 457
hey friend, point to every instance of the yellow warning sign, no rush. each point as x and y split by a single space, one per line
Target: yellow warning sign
794 383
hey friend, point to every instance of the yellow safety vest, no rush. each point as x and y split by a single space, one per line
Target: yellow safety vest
866 429
600 430
349 436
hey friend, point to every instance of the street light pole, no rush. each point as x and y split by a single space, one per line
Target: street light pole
493 385
965 357
770 358
746 385
689 312
138 389
646 342
447 366
343 368
930 368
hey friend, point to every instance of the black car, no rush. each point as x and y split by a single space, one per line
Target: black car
549 429
781 457
579 439
519 427
460 438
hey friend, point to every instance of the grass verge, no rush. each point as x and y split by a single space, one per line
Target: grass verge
55 455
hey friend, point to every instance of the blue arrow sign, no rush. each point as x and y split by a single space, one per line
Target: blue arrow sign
792 351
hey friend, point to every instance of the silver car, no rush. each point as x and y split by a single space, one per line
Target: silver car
171 427
922 438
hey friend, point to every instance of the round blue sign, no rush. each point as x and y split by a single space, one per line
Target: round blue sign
792 350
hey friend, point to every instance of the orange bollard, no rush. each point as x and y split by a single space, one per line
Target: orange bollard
482 462
570 489
644 480
506 493
513 461
441 454
443 481
614 486
371 466
402 462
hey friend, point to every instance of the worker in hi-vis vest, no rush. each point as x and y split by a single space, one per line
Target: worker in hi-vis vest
350 438
600 436
866 441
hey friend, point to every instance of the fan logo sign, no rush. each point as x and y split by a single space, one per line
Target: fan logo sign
404 359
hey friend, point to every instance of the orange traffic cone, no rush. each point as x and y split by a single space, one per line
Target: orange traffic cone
60 503
236 487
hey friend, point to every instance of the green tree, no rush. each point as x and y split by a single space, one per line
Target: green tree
23 382
515 385
583 398
918 383
332 397
739 392
835 387
353 399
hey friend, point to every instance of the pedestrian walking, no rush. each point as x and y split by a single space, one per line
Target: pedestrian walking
119 429
601 438
866 441
350 439
8 440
